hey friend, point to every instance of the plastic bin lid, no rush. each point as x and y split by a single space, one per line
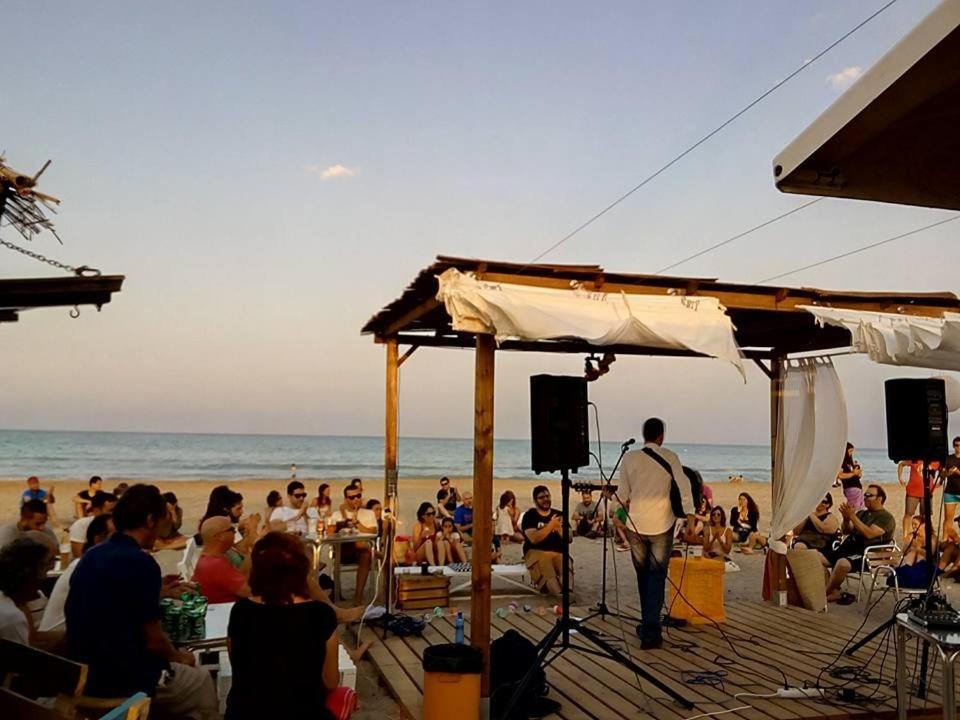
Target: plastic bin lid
453 658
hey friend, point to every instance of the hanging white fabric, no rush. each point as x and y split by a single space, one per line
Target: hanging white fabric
893 339
812 428
523 312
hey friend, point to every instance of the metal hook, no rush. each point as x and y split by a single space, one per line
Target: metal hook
75 313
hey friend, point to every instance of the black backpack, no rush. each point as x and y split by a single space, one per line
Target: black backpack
511 657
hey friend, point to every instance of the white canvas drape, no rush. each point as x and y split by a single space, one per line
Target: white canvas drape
812 428
523 312
893 339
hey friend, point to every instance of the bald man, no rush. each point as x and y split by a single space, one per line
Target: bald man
219 580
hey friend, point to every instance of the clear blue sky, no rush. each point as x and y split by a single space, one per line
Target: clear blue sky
189 142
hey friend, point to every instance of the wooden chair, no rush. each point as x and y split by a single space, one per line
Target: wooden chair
31 674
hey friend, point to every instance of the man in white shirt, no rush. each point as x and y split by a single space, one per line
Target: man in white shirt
655 493
353 516
102 503
294 514
23 564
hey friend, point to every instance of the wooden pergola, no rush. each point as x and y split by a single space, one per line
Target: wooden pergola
19 294
769 326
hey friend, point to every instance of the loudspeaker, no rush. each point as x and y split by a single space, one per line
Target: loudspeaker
559 426
916 419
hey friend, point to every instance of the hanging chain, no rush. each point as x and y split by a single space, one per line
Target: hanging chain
82 271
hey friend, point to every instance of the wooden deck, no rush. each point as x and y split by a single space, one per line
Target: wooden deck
763 645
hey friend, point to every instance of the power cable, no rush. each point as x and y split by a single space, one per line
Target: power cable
738 236
701 141
859 250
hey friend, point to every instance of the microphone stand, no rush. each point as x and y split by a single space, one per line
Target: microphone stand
602 610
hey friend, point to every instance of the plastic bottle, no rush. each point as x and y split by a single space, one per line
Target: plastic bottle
458 629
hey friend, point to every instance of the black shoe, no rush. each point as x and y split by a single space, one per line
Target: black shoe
651 644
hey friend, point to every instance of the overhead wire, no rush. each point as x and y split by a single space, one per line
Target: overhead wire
776 86
858 250
729 240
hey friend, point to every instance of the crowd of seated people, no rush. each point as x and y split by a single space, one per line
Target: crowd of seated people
105 607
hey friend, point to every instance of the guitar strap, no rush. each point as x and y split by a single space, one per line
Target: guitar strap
676 502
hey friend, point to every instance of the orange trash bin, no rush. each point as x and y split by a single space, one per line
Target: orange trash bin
451 682
701 590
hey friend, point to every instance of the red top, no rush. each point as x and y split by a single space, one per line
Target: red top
219 580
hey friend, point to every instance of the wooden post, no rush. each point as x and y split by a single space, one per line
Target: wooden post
777 372
482 503
390 445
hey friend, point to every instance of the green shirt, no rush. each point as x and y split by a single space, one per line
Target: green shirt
882 519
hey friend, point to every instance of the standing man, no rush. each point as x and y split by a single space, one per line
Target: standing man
117 585
655 493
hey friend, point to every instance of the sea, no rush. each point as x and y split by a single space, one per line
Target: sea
184 456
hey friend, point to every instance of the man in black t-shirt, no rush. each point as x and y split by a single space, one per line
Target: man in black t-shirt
544 545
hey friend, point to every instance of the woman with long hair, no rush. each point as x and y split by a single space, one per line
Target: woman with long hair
744 519
717 537
425 529
851 478
508 518
280 635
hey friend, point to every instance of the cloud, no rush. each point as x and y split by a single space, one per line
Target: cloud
333 172
845 78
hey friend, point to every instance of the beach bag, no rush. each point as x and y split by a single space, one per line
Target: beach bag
511 657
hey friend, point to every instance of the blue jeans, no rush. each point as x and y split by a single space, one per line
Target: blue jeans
651 555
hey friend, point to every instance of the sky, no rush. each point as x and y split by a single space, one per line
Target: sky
268 175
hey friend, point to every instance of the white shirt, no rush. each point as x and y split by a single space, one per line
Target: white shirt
78 531
645 486
289 516
13 623
53 615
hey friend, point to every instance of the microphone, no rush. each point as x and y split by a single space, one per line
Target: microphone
628 443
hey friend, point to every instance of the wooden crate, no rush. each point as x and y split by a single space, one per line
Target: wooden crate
420 592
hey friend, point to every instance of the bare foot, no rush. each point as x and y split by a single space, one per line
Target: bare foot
747 551
357 653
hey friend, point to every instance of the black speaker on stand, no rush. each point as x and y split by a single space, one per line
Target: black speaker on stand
560 441
916 410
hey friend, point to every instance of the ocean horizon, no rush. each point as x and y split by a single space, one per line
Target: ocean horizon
130 455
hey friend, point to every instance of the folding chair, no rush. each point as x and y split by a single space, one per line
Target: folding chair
877 561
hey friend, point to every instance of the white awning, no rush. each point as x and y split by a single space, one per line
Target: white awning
893 339
522 312
892 137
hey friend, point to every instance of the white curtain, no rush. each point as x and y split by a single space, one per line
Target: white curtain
812 429
525 312
893 339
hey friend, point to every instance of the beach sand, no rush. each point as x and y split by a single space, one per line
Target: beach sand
587 554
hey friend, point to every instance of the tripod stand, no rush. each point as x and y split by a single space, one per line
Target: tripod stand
602 610
558 639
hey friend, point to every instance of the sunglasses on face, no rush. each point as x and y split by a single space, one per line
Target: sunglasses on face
354 497
300 495
428 514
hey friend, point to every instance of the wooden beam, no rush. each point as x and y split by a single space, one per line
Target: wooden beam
766 371
390 454
758 297
22 293
482 503
414 313
410 351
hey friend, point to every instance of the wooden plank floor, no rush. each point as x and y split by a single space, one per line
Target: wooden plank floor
760 648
